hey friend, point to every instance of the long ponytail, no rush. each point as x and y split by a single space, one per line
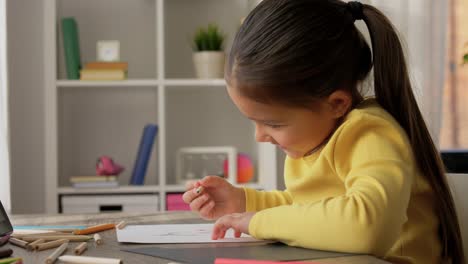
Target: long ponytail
394 93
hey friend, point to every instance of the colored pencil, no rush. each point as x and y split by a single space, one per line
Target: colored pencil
74 238
94 229
98 239
18 242
121 225
94 260
81 248
59 251
51 244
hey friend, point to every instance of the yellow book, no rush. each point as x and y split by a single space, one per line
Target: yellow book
102 74
75 179
120 65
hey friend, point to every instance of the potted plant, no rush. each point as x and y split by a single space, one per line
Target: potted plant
208 54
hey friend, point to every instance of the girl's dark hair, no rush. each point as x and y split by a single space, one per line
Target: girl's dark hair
294 51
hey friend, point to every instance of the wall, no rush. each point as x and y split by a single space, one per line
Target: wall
25 66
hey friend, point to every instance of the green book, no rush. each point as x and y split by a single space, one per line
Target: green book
71 48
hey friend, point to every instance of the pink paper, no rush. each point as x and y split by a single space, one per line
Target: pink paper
250 261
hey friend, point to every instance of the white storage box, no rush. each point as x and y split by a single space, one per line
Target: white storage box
110 203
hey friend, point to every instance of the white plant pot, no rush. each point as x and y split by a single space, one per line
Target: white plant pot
209 64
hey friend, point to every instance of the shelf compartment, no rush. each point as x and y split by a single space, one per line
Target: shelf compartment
132 23
93 122
221 125
182 19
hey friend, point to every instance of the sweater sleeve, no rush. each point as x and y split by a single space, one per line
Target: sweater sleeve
376 166
260 200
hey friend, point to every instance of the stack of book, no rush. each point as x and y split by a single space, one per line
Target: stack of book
94 181
100 71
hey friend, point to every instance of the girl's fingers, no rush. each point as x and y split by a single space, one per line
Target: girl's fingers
217 232
221 226
190 194
212 181
190 185
198 202
207 209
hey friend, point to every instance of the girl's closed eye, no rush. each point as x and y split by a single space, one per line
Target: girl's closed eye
275 125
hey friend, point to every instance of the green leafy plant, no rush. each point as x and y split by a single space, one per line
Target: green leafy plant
208 39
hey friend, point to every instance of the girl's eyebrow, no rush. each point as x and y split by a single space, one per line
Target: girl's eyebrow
264 120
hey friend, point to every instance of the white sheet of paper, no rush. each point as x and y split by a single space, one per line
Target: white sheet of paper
177 233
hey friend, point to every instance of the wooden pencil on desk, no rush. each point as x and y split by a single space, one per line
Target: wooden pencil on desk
94 229
77 238
121 225
82 259
97 239
32 245
51 244
21 236
18 242
81 248
59 251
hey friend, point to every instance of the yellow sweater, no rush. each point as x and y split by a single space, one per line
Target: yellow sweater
361 193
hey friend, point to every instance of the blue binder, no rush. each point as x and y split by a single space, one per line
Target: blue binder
144 154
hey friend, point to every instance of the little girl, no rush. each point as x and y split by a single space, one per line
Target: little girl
362 175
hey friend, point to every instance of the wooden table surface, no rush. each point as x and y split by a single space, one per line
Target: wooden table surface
112 249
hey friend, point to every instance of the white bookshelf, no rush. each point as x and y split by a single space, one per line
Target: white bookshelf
86 119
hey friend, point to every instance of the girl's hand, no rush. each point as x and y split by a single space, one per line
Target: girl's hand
238 222
217 197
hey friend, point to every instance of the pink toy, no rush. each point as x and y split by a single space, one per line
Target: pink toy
245 169
106 166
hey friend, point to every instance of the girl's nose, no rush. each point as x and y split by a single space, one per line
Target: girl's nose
260 135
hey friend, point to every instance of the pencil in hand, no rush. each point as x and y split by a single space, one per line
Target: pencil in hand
199 189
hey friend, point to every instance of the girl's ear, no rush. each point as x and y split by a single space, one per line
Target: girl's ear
339 103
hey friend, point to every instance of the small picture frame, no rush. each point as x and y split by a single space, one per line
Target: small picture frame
193 163
108 50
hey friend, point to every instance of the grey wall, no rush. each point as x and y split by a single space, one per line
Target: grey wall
26 99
